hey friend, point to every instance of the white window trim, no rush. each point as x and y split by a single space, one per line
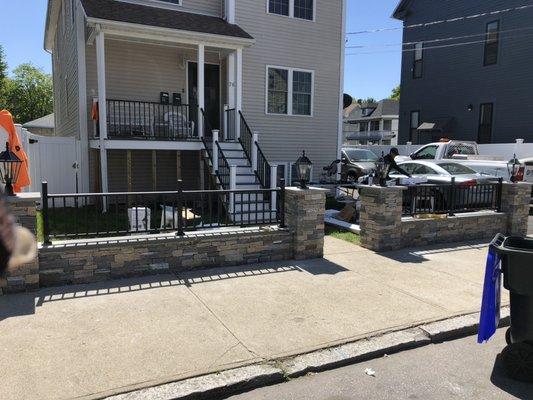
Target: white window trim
291 11
290 88
156 3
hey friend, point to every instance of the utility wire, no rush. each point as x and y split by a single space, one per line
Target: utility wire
438 47
435 40
444 21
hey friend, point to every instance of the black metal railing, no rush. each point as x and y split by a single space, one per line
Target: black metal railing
452 198
93 215
230 126
263 171
127 119
206 126
223 171
246 137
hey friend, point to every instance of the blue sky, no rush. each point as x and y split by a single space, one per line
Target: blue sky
367 75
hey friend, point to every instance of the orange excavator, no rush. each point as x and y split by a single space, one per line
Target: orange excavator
15 146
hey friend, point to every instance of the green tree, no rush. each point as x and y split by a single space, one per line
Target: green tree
3 72
368 100
395 95
28 95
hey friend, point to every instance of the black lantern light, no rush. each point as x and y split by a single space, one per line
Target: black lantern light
303 170
513 167
10 166
381 170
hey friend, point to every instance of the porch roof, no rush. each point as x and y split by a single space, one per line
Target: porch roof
161 18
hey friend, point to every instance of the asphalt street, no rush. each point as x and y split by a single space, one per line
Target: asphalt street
460 369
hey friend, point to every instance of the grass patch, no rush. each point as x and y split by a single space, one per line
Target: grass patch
349 237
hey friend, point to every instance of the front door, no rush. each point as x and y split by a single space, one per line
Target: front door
212 91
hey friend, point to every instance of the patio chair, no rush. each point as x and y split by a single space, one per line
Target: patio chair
179 124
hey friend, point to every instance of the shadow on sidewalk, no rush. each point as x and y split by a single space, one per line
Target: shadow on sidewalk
26 303
520 390
417 255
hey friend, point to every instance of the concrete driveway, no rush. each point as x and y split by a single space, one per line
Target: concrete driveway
95 340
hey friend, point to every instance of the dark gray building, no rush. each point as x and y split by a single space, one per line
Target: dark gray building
477 86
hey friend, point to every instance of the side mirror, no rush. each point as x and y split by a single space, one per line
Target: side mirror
413 156
344 161
337 162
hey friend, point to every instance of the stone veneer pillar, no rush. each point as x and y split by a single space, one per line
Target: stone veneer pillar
516 199
304 217
381 218
25 277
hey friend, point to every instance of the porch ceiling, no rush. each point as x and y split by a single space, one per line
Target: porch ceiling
138 18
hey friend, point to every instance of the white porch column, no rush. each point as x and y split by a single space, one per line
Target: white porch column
215 151
201 88
238 91
225 126
102 107
231 80
255 139
273 185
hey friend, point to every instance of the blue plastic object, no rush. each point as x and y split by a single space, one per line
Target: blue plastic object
490 305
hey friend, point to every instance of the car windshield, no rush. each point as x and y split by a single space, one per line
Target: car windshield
361 155
456 169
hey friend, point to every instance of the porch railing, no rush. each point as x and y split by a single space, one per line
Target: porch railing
246 137
127 119
452 198
90 215
229 124
223 172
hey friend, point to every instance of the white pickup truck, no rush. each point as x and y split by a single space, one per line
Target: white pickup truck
466 153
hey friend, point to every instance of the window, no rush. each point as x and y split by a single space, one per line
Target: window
289 91
427 153
302 9
363 126
387 125
486 112
492 41
415 123
456 169
418 60
421 169
374 126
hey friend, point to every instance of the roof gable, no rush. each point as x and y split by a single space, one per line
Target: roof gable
401 10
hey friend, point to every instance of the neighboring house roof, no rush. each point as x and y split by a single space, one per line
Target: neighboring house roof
386 107
161 18
400 12
46 122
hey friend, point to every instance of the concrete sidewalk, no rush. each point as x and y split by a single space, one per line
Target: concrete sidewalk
96 340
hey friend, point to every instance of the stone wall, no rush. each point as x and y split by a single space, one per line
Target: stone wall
384 229
24 277
93 260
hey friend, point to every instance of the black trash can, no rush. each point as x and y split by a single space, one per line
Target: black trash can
516 254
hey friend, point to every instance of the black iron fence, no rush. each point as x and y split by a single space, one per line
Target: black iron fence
452 198
263 168
92 215
246 136
128 119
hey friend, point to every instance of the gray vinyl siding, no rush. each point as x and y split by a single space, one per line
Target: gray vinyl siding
138 71
296 43
207 7
455 77
65 77
117 171
190 170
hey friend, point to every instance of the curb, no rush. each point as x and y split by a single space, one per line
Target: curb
239 380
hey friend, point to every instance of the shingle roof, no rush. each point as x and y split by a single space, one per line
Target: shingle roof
160 17
383 107
46 122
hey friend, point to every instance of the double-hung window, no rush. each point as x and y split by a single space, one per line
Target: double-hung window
303 9
289 91
418 60
492 42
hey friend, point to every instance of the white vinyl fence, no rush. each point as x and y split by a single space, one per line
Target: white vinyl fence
52 159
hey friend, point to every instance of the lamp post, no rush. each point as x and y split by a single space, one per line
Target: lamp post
513 167
10 166
303 170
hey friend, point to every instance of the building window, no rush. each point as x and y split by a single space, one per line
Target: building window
486 113
415 123
363 126
289 91
387 125
418 60
492 42
374 126
302 9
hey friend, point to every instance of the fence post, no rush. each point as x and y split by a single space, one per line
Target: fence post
255 139
451 200
232 187
215 151
225 126
282 203
179 207
46 215
499 195
273 186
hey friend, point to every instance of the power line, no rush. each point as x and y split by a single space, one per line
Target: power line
438 47
435 40
444 21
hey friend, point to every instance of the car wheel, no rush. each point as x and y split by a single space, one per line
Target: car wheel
352 176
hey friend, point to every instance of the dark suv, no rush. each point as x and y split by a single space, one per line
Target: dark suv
357 162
